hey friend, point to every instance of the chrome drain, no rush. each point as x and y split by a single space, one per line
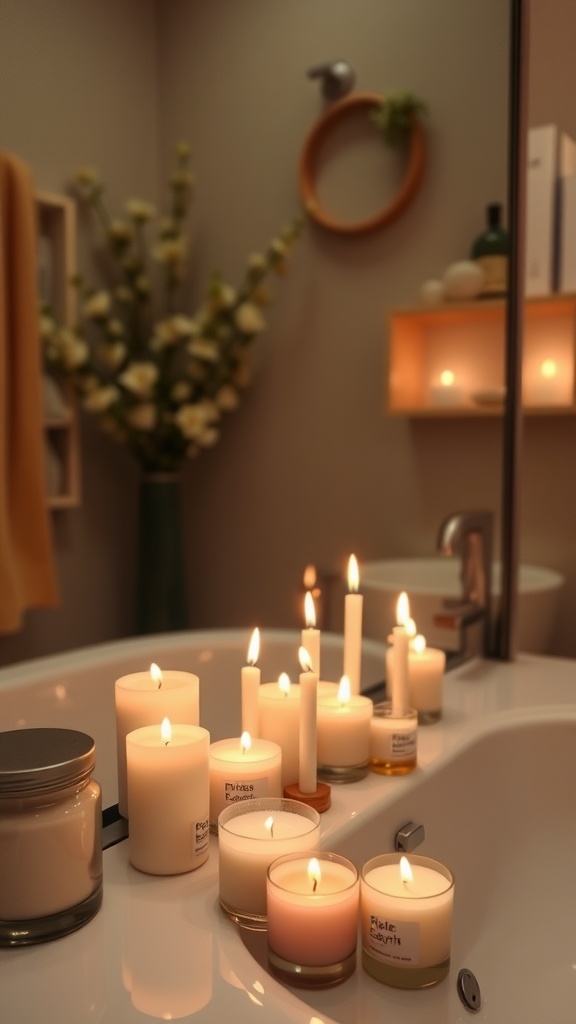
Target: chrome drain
469 989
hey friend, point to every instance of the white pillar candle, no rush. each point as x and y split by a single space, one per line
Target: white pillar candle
169 794
406 923
312 909
252 835
307 782
311 636
343 736
353 602
250 682
242 769
398 682
425 679
145 698
279 715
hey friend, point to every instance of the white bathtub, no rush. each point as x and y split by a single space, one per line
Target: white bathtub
494 790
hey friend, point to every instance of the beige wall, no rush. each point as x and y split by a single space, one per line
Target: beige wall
309 468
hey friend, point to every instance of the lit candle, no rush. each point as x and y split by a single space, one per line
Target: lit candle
307 732
425 678
242 769
353 627
169 794
311 635
279 716
549 387
312 909
406 919
145 698
393 740
251 836
446 391
398 661
250 686
343 731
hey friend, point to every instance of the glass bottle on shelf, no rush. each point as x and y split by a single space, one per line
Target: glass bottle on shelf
490 251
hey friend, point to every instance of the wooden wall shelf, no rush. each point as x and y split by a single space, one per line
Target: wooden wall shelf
468 342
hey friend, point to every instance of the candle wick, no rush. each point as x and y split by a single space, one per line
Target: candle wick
314 884
272 831
166 743
159 684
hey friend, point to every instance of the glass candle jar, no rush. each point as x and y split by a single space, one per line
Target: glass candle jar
50 834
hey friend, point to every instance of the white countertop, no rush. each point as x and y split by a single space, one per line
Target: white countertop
164 945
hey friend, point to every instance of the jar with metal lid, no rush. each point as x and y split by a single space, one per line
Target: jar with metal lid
50 834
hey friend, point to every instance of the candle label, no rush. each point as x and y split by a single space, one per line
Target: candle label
241 790
200 837
403 745
394 941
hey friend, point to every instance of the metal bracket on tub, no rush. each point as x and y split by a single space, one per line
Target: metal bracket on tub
409 837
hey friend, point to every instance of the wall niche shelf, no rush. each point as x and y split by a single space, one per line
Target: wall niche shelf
56 247
448 360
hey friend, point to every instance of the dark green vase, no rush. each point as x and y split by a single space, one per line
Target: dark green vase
161 597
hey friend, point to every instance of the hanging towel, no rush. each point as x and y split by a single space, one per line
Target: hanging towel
27 573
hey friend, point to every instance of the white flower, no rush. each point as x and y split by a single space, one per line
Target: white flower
139 378
101 398
143 416
47 326
112 355
170 250
249 319
183 149
73 351
180 391
278 247
193 418
121 230
87 176
208 437
139 211
97 306
182 179
204 348
256 261
225 295
227 398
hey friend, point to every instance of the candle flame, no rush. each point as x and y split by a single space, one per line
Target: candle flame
447 378
304 659
419 643
314 872
402 609
166 731
269 824
353 574
155 675
254 647
406 871
309 610
549 369
284 683
245 741
344 690
411 628
309 578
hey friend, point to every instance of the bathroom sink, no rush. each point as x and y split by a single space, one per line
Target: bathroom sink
428 581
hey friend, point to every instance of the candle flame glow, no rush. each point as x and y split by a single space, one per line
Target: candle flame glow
155 675
269 824
344 690
309 578
353 574
411 628
447 378
419 643
406 871
166 731
549 369
402 609
314 872
284 683
309 610
254 647
304 659
245 741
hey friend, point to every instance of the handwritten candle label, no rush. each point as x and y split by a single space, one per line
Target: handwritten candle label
200 837
403 745
253 790
394 941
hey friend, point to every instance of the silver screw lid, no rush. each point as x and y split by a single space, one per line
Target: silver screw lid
33 760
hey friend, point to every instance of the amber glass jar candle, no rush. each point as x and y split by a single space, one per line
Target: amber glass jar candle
50 834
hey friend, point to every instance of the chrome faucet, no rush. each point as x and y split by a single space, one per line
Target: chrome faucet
468 535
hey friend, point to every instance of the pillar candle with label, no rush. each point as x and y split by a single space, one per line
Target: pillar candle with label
406 919
310 638
353 603
308 714
343 730
250 686
145 698
169 795
279 716
242 769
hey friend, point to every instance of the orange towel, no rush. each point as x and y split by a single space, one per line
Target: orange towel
27 574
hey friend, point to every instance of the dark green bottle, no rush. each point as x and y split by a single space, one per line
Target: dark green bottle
490 251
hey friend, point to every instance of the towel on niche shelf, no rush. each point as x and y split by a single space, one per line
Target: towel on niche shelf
27 573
